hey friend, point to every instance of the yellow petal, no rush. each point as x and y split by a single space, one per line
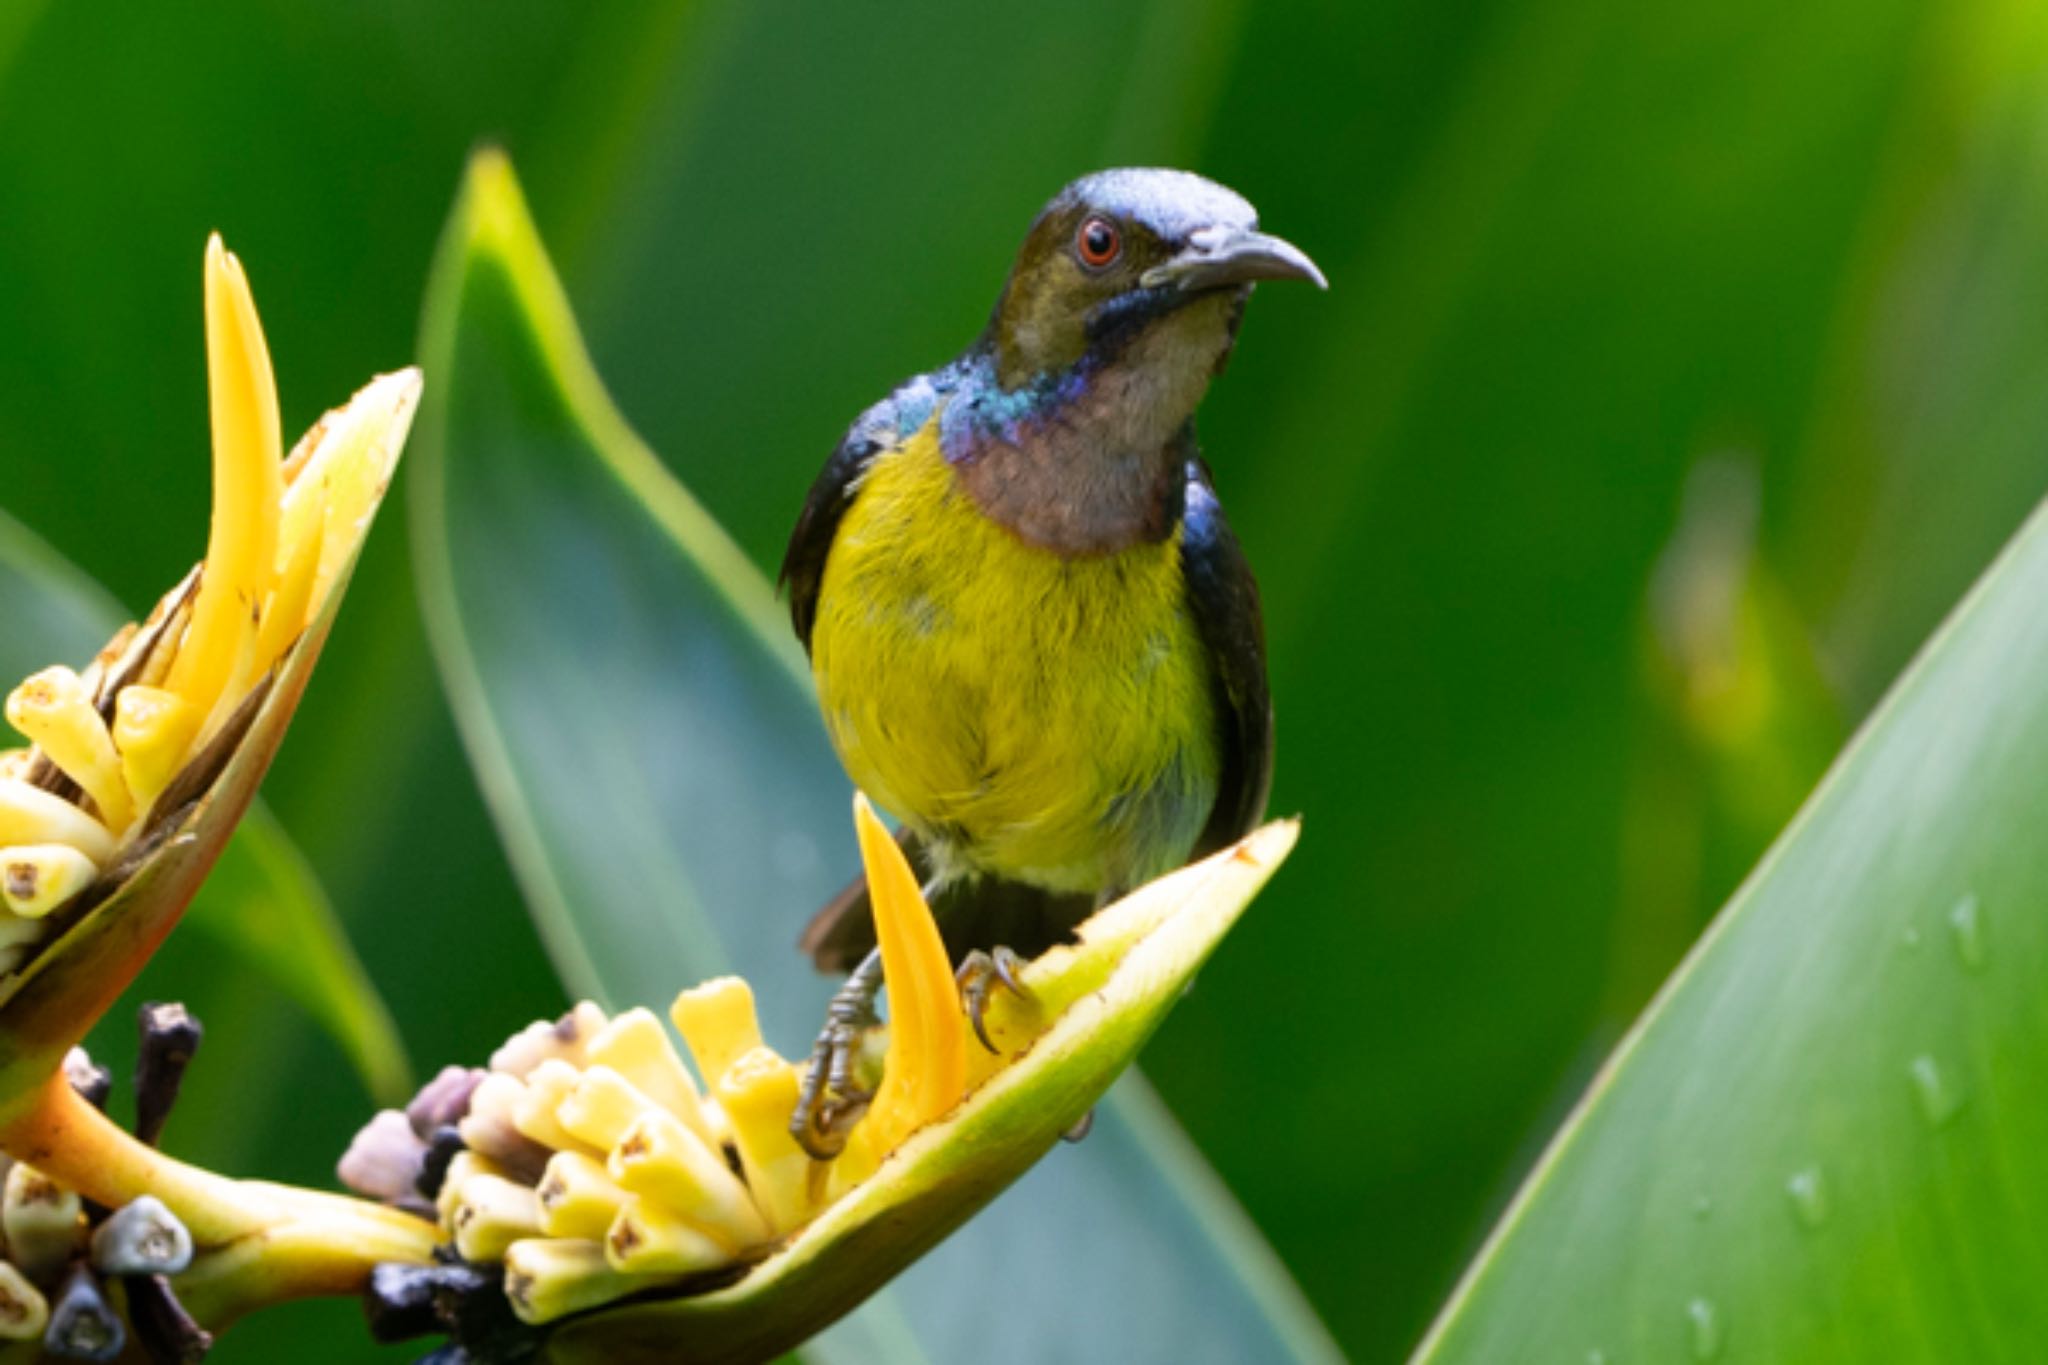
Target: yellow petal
662 1160
248 486
926 1066
547 1085
30 815
717 1021
601 1106
637 1047
465 1165
37 879
550 1277
758 1093
491 1213
54 709
153 730
648 1239
578 1197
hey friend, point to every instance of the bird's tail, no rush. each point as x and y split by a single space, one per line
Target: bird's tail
972 913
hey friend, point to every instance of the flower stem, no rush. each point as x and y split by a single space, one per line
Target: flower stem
259 1243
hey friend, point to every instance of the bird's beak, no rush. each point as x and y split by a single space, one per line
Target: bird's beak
1219 256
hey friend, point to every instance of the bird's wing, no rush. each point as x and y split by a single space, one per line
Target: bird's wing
1225 601
803 563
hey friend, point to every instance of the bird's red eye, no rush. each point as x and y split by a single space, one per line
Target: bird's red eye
1098 242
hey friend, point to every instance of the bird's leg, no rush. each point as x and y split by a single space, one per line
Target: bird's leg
826 1103
981 973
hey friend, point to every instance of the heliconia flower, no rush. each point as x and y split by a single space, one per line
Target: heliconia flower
140 763
138 768
597 1168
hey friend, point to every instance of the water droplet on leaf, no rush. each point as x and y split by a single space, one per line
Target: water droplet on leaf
1966 931
1705 1325
1938 1098
1808 1192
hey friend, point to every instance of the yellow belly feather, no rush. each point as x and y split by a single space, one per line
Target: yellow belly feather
1045 719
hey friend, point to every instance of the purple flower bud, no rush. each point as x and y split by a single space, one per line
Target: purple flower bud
383 1161
443 1100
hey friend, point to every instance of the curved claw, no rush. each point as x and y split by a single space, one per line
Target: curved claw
827 1105
827 1102
979 973
806 1123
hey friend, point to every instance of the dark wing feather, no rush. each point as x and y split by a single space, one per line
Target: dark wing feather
1225 599
810 544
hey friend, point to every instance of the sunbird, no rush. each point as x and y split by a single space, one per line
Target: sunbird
1035 639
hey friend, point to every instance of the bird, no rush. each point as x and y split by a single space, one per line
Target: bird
1035 638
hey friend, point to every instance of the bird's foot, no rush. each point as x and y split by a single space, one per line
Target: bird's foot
981 973
828 1102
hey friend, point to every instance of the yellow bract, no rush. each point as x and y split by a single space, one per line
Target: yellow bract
717 1020
154 730
37 879
112 740
53 709
248 487
925 1070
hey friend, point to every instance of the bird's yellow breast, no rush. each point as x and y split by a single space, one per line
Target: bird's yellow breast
1044 718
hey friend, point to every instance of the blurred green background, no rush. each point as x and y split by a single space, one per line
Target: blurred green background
1681 366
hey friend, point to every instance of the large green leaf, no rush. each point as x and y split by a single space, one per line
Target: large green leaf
642 726
264 906
1828 1138
51 610
261 904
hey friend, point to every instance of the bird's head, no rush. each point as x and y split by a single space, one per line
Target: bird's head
1120 257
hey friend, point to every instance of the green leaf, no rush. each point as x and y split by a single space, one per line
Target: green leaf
642 725
51 610
261 903
264 906
1828 1138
